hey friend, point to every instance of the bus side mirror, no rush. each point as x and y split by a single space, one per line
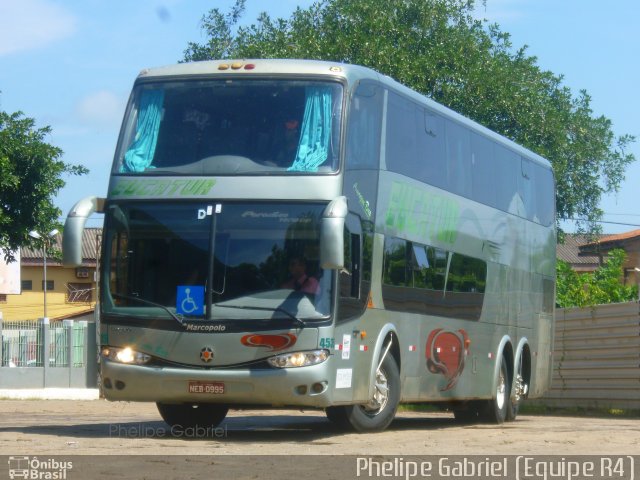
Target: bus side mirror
74 227
332 234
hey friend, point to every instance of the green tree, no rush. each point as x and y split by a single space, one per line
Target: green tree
602 286
570 286
440 49
30 176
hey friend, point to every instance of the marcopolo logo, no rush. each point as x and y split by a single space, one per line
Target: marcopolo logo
194 327
38 469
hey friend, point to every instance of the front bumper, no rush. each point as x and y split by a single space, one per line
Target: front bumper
295 387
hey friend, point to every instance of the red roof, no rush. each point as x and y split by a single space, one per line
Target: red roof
616 238
621 236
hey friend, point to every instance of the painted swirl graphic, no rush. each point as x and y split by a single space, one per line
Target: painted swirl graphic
274 342
446 353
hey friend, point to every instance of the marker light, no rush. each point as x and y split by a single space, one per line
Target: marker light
299 359
125 355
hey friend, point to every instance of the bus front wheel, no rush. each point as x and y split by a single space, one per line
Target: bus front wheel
192 415
376 415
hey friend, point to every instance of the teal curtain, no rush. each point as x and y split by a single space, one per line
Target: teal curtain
315 133
140 154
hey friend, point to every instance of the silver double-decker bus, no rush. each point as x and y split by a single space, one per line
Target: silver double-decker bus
286 233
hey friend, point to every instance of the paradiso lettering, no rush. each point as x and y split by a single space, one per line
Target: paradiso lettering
162 187
422 213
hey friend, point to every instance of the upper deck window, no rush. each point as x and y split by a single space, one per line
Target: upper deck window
229 127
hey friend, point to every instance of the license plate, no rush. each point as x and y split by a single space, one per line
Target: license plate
211 388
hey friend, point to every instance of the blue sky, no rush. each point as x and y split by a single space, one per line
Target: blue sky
70 65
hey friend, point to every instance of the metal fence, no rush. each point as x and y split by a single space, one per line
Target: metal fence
36 354
596 357
21 345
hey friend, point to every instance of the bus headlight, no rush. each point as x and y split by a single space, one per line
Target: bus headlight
299 359
125 355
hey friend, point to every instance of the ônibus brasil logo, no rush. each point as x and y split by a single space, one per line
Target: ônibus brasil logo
35 468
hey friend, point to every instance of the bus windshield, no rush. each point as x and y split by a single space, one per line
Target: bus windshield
159 262
231 127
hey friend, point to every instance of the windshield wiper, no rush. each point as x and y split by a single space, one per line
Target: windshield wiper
298 321
149 302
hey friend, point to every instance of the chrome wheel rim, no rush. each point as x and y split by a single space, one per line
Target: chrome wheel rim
380 395
501 392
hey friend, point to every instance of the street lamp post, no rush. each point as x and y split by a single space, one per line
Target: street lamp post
47 240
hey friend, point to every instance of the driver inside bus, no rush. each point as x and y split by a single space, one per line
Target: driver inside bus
288 148
299 280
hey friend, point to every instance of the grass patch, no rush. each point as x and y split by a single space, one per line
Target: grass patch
601 412
535 409
420 407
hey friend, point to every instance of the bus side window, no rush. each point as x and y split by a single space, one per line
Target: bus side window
483 170
536 190
546 195
401 141
526 185
363 137
458 159
431 151
351 302
350 276
414 281
507 170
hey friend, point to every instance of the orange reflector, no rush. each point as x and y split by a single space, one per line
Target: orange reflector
236 66
223 66
370 302
363 335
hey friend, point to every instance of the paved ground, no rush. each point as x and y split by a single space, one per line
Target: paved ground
46 427
99 440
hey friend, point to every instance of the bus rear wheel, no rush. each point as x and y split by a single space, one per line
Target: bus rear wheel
520 389
495 410
192 415
376 415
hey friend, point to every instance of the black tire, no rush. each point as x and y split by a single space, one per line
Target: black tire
495 410
381 410
338 416
192 415
512 412
469 413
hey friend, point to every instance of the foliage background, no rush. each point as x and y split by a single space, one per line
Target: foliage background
30 177
439 48
602 286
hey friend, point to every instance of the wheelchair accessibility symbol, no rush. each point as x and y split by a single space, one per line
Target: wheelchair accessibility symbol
190 300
